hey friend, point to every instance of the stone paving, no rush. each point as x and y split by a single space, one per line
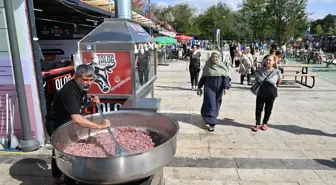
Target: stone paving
298 149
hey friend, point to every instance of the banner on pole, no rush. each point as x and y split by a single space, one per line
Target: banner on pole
218 36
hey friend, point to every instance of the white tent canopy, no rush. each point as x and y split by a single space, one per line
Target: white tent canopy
167 33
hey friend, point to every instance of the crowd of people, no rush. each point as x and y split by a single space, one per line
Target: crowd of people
215 80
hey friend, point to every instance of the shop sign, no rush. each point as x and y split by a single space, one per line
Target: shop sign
56 84
106 106
60 82
103 64
111 75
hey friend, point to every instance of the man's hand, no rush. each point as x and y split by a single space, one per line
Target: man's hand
95 99
105 124
226 91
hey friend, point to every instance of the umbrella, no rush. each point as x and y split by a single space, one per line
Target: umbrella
183 37
165 40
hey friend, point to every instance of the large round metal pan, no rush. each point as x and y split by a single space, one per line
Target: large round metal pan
117 169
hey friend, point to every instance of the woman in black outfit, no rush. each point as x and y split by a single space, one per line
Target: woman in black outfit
232 52
194 67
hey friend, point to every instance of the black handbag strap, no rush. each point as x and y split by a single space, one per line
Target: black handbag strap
267 77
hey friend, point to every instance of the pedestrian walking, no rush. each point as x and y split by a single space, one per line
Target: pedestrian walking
194 67
237 56
226 59
232 51
268 79
216 82
284 49
245 67
280 61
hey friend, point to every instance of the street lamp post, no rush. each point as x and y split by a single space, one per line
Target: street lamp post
28 142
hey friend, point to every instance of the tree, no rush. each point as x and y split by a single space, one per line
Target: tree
319 29
218 16
284 14
160 12
255 13
182 15
256 19
242 29
328 24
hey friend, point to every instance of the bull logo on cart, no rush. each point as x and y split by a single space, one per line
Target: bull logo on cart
103 65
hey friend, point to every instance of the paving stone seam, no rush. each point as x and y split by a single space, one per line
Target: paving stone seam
238 173
320 176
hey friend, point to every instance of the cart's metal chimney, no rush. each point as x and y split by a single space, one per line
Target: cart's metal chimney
123 9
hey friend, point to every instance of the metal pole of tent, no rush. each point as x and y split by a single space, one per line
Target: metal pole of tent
28 142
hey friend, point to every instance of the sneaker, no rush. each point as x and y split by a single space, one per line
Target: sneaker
212 128
192 88
264 127
255 128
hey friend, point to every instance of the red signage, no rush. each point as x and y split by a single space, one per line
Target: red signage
113 73
55 84
106 106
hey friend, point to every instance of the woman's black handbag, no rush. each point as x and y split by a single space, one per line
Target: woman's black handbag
256 86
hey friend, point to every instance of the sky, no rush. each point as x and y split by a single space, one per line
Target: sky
318 8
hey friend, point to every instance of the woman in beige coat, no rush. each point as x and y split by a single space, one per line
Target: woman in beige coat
245 67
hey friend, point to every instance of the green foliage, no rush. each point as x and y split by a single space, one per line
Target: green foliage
180 16
328 25
286 16
255 19
255 13
319 29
